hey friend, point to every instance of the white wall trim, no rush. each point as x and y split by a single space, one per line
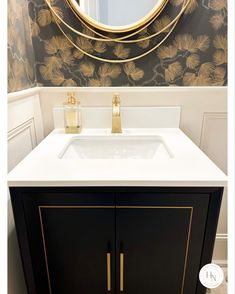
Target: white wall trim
220 262
29 124
129 89
222 237
209 116
14 96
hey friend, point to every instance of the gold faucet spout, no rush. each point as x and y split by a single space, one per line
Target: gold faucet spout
116 115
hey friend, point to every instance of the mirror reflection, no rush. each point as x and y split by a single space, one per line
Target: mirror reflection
117 13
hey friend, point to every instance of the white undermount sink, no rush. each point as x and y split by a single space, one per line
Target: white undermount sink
116 147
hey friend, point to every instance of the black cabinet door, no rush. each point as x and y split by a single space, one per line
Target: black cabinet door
159 242
72 242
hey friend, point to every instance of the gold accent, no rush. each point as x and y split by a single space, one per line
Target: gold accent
116 116
72 115
115 60
120 207
121 272
71 98
117 29
119 39
43 235
108 272
45 251
188 236
187 247
172 24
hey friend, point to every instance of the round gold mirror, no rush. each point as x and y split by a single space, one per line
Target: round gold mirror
117 16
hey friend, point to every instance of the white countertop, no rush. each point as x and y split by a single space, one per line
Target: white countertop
189 166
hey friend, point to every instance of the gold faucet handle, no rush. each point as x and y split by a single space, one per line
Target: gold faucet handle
116 99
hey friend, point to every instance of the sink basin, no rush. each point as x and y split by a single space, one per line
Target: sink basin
116 147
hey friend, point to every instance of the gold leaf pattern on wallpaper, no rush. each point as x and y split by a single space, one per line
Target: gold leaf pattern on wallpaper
144 44
185 42
67 57
167 52
46 72
87 69
132 71
100 47
58 78
208 74
173 71
202 42
84 44
44 17
78 54
161 23
53 62
103 82
192 61
217 21
109 70
69 83
120 51
220 42
51 67
206 69
57 43
193 4
192 55
218 4
220 56
58 11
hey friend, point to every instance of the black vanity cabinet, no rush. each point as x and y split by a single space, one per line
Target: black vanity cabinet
115 240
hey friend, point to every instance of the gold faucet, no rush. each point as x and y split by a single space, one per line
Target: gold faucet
116 116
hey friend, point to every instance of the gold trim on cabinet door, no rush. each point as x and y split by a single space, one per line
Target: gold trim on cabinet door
108 272
188 234
121 272
43 235
118 207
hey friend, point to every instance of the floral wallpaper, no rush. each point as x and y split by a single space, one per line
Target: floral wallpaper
21 60
194 54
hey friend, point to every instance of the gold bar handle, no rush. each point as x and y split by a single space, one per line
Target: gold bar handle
121 272
108 272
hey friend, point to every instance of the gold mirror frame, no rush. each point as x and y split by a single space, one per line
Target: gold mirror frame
117 29
121 39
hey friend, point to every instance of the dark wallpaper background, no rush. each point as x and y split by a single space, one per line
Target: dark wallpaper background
195 54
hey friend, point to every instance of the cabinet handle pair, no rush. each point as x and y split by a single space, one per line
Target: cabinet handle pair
109 272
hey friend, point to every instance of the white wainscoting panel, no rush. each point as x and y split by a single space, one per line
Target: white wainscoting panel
214 144
25 127
25 131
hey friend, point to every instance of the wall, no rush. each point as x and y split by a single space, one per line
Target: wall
195 54
25 131
21 60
